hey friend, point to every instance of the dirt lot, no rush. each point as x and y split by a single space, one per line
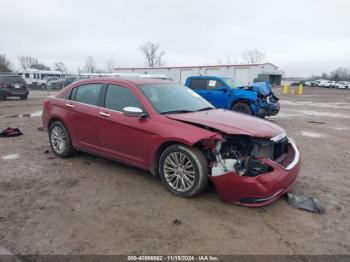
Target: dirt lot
87 205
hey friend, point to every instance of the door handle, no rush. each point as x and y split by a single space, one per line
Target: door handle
69 105
104 114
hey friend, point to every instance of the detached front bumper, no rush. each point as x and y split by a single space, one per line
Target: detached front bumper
268 109
262 189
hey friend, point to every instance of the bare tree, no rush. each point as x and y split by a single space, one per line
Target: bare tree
340 74
90 65
59 66
26 62
254 56
40 66
4 64
324 76
110 65
153 54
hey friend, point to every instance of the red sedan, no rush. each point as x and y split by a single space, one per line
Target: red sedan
173 132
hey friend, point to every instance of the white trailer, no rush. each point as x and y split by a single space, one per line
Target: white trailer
245 73
39 78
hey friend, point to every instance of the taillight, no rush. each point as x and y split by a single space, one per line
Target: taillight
46 104
5 85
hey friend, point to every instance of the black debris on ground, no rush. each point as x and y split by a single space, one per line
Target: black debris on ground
316 122
177 222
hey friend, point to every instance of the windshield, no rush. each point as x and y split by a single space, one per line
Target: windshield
173 98
233 83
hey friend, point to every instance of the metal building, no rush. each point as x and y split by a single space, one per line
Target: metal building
245 73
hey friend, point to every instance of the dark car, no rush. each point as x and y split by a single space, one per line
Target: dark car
68 80
297 83
173 132
13 85
54 82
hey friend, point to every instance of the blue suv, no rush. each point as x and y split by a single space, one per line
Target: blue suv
224 92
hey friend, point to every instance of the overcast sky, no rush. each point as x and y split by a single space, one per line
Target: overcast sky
302 37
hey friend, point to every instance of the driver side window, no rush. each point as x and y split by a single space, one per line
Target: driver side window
214 84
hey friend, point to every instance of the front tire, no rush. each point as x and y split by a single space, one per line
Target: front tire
242 108
184 170
60 141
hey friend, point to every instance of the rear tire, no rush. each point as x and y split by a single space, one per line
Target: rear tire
242 108
43 87
60 141
24 97
184 170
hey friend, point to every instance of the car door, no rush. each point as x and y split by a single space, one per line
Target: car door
209 90
216 93
83 115
123 137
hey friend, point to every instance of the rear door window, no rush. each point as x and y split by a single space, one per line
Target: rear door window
118 97
67 95
87 94
198 84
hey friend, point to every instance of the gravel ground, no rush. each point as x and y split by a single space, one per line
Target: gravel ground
87 205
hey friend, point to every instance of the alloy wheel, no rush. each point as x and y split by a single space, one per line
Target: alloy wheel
179 171
58 139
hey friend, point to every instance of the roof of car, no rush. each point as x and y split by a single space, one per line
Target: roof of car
136 81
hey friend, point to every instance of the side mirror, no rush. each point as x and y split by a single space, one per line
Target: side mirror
133 111
222 89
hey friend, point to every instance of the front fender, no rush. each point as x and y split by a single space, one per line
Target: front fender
247 95
176 131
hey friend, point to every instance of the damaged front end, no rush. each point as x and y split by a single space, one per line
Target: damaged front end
267 102
267 105
253 171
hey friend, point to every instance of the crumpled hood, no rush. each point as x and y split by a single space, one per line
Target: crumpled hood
232 123
262 88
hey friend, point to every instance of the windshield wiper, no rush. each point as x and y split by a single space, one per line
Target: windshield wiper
205 109
177 111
